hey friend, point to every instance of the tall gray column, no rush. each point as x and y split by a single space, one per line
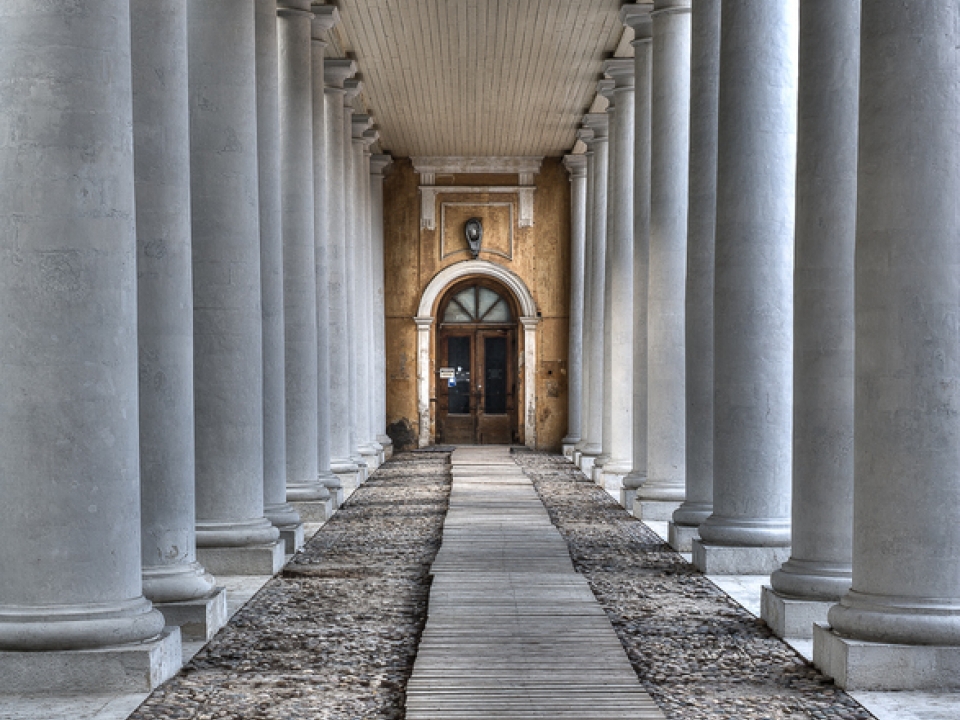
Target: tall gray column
577 167
661 494
593 300
819 567
341 449
325 18
275 506
161 145
906 547
637 16
379 163
366 288
618 282
585 135
701 231
70 516
233 536
749 530
299 259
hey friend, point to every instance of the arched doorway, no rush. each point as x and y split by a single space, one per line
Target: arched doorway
477 364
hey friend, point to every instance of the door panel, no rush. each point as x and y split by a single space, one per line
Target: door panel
456 420
494 416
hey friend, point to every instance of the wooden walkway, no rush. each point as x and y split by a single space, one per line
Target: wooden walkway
513 632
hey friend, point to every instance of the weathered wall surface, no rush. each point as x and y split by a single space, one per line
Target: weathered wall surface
539 255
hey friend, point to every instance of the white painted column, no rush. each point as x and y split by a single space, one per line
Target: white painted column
663 491
818 571
904 605
371 381
233 536
275 506
325 18
70 517
161 150
701 231
593 299
749 530
577 167
378 164
618 282
637 16
424 323
299 254
341 449
585 135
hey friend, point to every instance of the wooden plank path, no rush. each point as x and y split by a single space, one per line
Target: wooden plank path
513 632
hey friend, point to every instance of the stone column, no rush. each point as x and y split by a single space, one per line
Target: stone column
593 299
161 150
749 530
379 163
701 231
899 625
356 287
370 381
70 517
585 135
577 167
341 449
325 18
637 16
299 258
663 491
233 536
818 571
618 283
275 506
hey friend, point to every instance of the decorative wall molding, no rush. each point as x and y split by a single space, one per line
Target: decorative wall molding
487 249
430 166
428 200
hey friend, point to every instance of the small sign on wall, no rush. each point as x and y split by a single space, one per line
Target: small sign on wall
447 373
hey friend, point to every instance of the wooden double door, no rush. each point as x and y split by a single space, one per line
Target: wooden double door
477 385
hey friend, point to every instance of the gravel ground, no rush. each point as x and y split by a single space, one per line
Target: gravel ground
334 636
699 654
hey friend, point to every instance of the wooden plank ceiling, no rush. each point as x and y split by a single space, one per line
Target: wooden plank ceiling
478 77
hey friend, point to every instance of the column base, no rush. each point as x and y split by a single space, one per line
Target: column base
568 450
627 498
659 510
267 559
387 444
197 619
315 511
791 617
138 667
292 537
612 479
863 665
577 454
681 537
586 464
737 559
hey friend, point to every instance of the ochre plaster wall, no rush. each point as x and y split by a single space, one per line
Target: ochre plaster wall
539 255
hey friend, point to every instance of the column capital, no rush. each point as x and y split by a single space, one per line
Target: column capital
585 135
325 17
621 71
352 87
337 70
599 124
370 136
294 8
671 7
423 323
379 163
361 123
576 165
606 87
638 17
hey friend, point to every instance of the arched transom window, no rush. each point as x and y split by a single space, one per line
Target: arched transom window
477 304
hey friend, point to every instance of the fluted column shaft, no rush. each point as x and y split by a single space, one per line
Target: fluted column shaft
593 309
822 530
618 276
906 546
753 311
670 139
379 163
577 166
161 143
299 258
70 517
701 233
228 362
341 448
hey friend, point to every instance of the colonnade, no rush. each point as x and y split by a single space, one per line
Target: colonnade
793 197
192 320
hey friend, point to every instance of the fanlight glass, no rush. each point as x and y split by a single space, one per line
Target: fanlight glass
477 304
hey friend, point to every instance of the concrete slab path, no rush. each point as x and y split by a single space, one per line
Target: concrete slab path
513 632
